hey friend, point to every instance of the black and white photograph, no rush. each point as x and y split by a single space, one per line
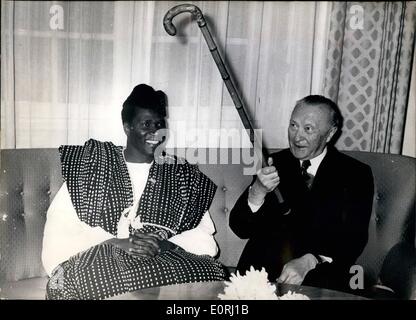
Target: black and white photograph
206 154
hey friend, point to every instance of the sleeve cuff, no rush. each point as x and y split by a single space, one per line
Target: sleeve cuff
322 259
254 207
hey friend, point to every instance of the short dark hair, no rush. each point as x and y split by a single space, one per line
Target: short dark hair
332 106
143 96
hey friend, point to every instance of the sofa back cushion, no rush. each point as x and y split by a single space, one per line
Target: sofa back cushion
393 216
30 178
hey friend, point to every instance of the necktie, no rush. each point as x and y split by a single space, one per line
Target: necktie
306 176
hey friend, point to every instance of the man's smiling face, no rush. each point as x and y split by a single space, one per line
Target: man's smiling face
310 129
142 133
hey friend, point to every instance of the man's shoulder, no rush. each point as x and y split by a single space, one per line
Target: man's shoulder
91 149
180 163
348 164
182 167
90 144
165 158
346 159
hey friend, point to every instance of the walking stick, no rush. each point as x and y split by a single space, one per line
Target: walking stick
171 30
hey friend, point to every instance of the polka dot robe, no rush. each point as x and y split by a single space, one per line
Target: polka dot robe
174 200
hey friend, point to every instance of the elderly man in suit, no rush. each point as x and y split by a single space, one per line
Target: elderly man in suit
318 232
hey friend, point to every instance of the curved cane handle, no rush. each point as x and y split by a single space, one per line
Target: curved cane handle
194 10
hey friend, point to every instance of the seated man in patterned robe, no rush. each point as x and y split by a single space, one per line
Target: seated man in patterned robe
129 218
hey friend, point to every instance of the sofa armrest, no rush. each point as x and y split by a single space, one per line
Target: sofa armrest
398 272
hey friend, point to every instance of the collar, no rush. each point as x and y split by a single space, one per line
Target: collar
315 162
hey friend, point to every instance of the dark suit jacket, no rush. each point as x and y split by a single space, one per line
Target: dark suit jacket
330 219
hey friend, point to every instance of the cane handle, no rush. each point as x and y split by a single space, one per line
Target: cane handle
194 10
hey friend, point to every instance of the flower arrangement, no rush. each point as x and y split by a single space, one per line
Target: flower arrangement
254 286
294 296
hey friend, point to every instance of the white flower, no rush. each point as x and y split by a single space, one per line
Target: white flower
294 296
253 286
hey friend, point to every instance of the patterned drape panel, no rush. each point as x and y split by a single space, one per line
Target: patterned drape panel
368 70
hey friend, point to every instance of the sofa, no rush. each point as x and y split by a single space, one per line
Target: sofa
30 178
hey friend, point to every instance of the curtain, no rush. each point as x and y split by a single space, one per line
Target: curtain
68 66
409 140
57 84
368 70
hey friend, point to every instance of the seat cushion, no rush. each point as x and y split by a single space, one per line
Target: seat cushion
28 289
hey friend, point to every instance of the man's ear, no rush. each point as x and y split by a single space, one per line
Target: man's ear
126 127
331 133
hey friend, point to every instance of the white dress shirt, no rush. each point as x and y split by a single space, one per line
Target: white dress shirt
66 235
315 163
